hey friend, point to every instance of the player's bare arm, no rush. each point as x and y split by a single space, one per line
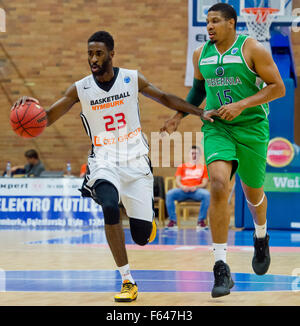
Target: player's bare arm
63 105
172 124
260 61
169 100
196 57
59 108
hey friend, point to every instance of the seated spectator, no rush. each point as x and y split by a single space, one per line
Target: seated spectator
192 179
33 168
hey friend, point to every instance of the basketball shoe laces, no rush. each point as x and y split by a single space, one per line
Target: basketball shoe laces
127 287
220 272
260 247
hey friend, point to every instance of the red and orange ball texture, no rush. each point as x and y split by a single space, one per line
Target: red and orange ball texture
28 120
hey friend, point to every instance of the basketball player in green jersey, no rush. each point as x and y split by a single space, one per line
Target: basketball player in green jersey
238 77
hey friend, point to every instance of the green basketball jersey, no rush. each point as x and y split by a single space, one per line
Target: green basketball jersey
228 79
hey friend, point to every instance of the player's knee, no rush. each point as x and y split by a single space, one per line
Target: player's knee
219 187
106 195
140 231
256 203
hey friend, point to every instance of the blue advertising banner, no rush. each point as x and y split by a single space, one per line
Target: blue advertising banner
46 202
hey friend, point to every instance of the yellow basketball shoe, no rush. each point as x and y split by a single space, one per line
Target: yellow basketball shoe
128 293
153 232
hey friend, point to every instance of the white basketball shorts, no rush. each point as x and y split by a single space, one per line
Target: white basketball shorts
134 181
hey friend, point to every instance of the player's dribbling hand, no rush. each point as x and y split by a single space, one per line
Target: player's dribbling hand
22 100
230 111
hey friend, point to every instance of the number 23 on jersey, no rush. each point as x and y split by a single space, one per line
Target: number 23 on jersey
117 119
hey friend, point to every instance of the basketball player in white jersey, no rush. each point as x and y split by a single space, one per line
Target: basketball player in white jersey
118 166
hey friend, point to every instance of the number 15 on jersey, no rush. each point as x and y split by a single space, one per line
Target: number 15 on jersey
226 96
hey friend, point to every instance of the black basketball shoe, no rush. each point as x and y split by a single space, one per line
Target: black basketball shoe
223 281
261 259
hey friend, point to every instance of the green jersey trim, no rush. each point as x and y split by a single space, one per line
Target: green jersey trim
245 62
221 56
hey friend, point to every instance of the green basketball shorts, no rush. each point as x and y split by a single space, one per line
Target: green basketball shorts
245 144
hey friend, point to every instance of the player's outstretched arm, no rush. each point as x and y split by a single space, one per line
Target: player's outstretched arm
57 109
196 96
169 100
63 105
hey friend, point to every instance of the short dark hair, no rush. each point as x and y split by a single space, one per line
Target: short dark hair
104 37
32 153
197 148
228 12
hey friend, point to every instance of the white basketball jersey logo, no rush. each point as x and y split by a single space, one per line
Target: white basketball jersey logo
111 118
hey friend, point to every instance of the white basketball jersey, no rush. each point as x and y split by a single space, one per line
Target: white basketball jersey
112 118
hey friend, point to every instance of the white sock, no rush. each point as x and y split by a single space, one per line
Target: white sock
260 230
125 273
220 250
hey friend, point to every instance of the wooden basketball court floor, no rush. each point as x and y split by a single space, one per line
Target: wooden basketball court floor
64 267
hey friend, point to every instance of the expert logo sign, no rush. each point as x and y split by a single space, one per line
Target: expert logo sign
2 20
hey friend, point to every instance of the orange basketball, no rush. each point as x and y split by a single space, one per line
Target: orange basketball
28 120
